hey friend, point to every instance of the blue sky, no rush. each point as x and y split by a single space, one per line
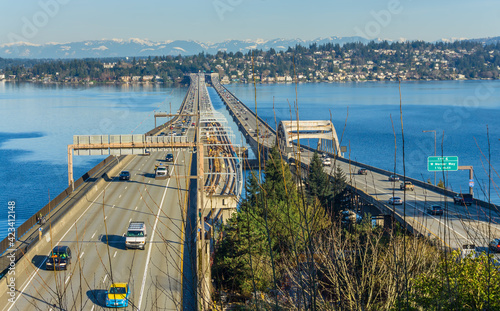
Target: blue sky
217 20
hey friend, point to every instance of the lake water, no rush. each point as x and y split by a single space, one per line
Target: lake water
39 121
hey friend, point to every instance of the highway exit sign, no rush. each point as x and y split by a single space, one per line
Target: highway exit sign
442 164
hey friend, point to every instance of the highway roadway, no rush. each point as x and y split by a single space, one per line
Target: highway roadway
95 235
97 242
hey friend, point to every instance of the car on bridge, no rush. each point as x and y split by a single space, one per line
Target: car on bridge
124 175
394 178
59 258
118 295
327 162
169 158
407 185
362 171
495 245
463 199
435 210
395 201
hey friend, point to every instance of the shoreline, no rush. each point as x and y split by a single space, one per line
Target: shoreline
98 83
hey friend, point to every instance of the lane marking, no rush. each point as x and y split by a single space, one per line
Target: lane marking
105 277
113 206
136 208
67 279
93 235
115 254
105 217
120 196
152 238
126 187
81 254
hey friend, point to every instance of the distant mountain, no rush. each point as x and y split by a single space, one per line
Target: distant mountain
489 40
139 47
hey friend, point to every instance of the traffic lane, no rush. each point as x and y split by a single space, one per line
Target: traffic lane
458 232
380 187
125 265
93 213
166 230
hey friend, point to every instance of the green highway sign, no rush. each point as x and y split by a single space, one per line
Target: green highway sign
442 164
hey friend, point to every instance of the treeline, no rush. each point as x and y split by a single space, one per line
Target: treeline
290 247
411 60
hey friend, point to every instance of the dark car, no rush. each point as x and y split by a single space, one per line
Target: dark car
169 158
59 258
362 171
124 175
394 178
463 199
435 210
495 245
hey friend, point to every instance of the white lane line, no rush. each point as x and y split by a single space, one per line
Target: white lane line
438 220
92 308
82 254
130 220
105 277
152 238
37 269
93 235
149 181
136 207
120 196
126 187
105 217
115 254
113 206
67 279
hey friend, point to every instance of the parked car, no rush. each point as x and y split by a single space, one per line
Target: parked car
327 162
394 178
395 201
59 258
169 157
435 210
124 175
362 171
118 295
495 245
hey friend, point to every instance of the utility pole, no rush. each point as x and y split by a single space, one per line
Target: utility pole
434 131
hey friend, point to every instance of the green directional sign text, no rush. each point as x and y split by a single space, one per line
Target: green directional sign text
442 164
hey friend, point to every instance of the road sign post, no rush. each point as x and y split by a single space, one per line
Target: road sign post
447 163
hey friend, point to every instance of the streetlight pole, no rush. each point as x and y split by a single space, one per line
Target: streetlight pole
434 131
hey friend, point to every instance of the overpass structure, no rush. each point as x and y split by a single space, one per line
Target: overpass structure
91 217
461 225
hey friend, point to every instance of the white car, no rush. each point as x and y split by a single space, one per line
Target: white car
327 162
395 201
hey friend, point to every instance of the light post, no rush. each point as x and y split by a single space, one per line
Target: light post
434 131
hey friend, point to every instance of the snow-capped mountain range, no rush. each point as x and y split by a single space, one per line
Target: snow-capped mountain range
144 47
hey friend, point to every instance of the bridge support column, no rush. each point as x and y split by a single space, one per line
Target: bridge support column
388 222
